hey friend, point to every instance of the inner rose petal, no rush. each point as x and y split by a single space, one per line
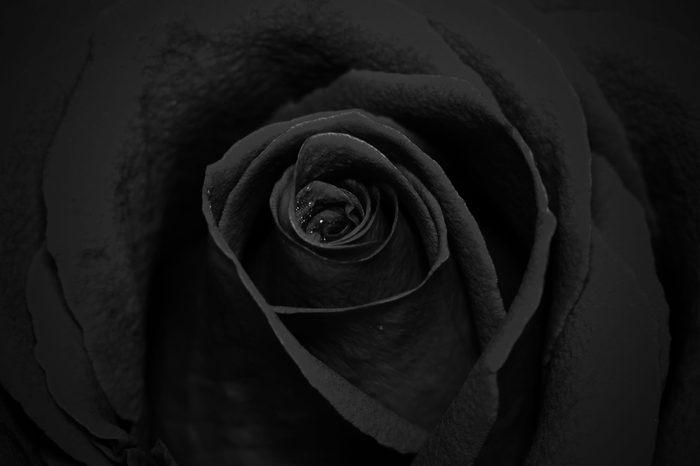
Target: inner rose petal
365 240
329 157
327 212
377 291
395 321
360 220
468 135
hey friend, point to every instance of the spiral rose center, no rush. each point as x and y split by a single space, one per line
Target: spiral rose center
327 213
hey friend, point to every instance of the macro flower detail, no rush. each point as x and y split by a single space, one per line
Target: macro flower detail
331 232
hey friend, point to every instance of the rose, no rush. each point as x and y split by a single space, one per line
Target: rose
594 373
75 421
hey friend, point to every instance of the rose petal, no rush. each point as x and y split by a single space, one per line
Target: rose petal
410 354
281 152
493 415
465 127
331 155
17 438
361 410
40 407
538 100
299 280
45 68
366 240
617 214
605 383
225 390
606 134
241 205
655 93
602 391
60 352
396 268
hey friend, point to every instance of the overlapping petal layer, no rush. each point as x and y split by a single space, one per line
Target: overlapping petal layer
472 135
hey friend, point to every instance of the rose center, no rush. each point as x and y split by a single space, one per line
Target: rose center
328 212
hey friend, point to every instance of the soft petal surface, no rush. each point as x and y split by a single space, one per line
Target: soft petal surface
650 76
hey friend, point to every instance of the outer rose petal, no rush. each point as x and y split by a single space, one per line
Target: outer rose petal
59 350
603 386
46 67
606 135
537 98
603 141
650 77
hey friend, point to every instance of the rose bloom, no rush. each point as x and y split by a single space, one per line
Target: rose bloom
350 232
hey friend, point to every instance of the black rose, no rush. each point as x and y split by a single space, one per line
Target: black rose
326 232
